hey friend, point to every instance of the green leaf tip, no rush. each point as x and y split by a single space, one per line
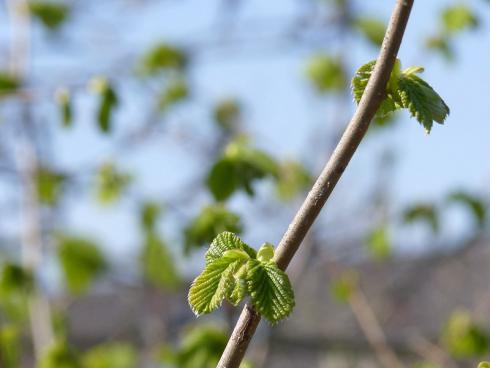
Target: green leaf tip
234 270
405 90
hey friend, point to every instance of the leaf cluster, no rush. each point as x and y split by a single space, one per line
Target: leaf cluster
234 270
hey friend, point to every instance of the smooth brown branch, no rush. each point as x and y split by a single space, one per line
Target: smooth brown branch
369 104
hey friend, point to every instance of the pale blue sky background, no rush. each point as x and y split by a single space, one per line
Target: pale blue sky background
281 109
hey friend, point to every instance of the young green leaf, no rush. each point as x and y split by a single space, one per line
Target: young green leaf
421 100
49 185
372 28
227 114
63 99
270 290
458 17
424 212
292 179
162 57
378 243
212 286
484 365
8 83
110 183
473 203
265 253
50 13
149 213
224 242
175 92
107 103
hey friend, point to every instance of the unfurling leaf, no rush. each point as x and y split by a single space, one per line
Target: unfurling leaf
404 90
52 14
270 290
212 221
233 270
326 73
81 262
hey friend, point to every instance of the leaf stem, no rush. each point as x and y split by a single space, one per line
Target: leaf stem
323 187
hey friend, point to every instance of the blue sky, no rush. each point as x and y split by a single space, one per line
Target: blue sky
281 111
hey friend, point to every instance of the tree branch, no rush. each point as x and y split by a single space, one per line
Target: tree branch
369 104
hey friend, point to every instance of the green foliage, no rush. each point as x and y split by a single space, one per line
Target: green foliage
201 347
344 285
49 185
162 57
379 243
474 204
111 183
60 355
463 338
63 99
108 101
8 83
405 90
441 44
110 355
372 28
484 365
458 17
424 212
51 14
293 178
233 270
15 280
177 91
10 339
81 262
227 114
157 264
326 73
212 220
149 213
238 167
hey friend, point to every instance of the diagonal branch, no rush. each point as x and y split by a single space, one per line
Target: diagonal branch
369 104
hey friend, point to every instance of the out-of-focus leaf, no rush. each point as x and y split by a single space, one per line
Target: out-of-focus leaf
442 45
201 346
157 264
8 83
424 212
212 220
111 183
344 285
50 13
484 365
293 178
10 340
378 243
458 17
463 338
149 213
15 280
176 91
227 114
162 57
372 28
63 99
238 168
49 185
81 262
108 101
326 73
60 355
473 203
110 355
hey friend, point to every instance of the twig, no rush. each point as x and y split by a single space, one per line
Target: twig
369 104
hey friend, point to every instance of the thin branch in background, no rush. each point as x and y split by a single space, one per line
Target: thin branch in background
369 104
